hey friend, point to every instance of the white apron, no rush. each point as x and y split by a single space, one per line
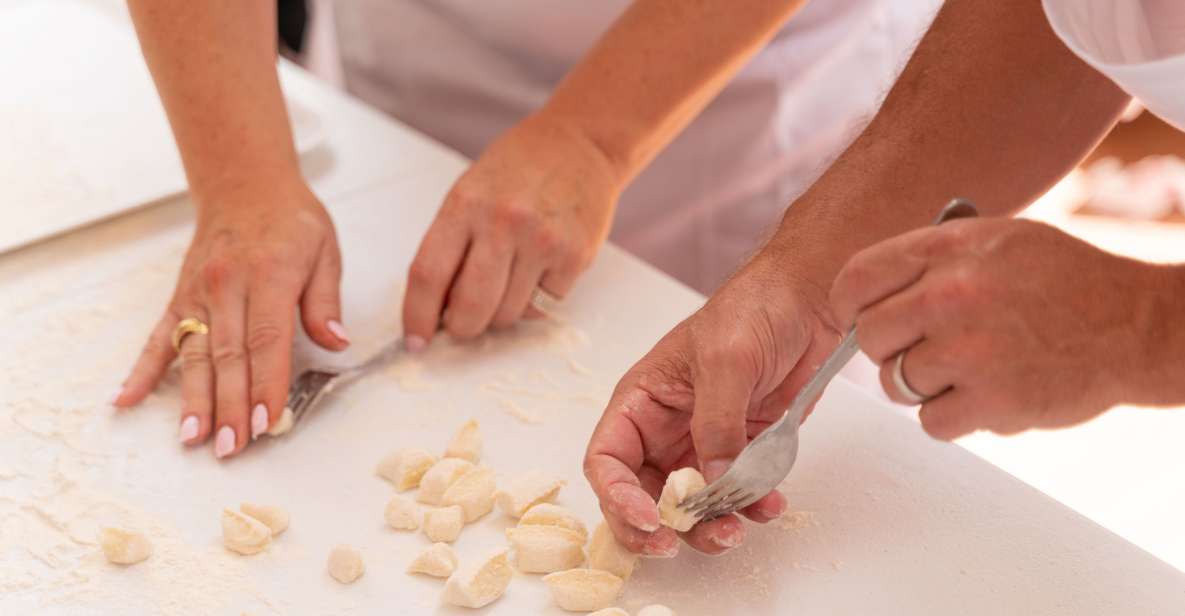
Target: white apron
464 71
1138 44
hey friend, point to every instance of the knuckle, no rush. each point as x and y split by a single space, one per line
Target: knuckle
215 272
509 215
264 336
423 272
192 357
228 355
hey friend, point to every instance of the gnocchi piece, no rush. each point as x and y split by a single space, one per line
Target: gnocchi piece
244 534
440 477
548 514
439 560
479 583
405 468
680 485
283 424
527 491
402 514
546 549
606 554
610 611
444 524
584 590
274 518
656 610
466 445
345 564
124 547
474 492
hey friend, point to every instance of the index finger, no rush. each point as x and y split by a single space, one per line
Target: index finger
878 272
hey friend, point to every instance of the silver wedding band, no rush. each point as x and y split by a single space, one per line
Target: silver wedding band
544 302
906 392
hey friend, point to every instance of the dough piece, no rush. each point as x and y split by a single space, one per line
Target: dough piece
527 491
546 549
124 547
606 554
402 514
548 514
479 583
584 590
244 534
345 564
680 485
405 468
283 424
438 479
466 445
275 518
656 610
474 492
610 611
437 561
444 524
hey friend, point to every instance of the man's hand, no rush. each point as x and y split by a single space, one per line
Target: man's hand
1010 324
708 387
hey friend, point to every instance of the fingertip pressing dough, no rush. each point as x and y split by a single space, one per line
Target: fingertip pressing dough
610 611
606 554
402 514
549 514
527 491
444 524
405 468
274 518
680 485
244 534
479 583
584 590
345 564
439 560
466 445
124 547
283 423
437 480
546 549
656 610
473 492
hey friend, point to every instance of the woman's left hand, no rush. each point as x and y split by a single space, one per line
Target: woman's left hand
1009 325
530 213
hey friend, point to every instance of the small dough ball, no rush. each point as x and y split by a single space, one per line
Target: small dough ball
124 547
546 549
283 424
438 479
439 560
275 518
680 485
244 534
402 514
527 491
656 610
479 583
606 554
548 514
584 590
474 492
466 445
345 564
610 611
405 468
444 524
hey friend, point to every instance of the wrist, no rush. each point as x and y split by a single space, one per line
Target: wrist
613 155
1155 373
276 186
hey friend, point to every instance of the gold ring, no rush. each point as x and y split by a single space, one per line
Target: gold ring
185 328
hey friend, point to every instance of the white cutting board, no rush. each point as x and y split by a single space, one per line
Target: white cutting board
83 135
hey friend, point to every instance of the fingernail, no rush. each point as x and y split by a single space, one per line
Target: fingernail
189 429
115 396
415 344
729 534
637 509
224 443
258 421
661 546
339 330
715 468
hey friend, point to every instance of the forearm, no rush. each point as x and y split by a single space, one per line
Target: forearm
659 64
214 64
991 107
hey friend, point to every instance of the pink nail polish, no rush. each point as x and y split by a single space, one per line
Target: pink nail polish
189 429
224 443
414 344
339 330
258 421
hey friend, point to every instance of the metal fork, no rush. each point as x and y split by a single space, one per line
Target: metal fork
311 385
767 460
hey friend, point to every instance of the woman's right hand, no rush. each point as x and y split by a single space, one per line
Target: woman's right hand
255 257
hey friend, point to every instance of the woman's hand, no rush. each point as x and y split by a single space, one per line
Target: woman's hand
1011 325
530 213
254 259
706 389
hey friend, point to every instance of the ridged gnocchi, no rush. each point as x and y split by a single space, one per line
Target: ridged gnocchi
438 560
680 485
244 534
606 554
437 480
546 549
584 590
405 468
124 547
473 492
528 490
479 583
466 445
444 524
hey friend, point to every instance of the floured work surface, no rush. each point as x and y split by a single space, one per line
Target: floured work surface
885 521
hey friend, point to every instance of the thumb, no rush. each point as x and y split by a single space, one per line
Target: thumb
320 304
722 394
